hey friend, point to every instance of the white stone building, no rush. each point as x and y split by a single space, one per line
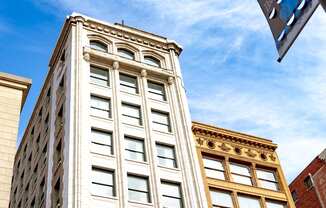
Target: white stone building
111 127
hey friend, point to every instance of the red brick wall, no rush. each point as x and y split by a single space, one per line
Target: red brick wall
307 198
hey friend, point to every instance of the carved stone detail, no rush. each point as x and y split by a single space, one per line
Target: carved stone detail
200 141
143 73
170 80
115 65
87 56
251 153
238 150
272 157
224 147
211 144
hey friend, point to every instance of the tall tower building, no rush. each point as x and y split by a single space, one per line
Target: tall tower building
13 92
111 127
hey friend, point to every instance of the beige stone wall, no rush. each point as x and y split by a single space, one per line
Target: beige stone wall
10 105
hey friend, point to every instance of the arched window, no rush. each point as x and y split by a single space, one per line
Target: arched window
97 45
125 53
150 60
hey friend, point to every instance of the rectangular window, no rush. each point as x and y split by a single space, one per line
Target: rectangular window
128 83
307 182
214 168
99 76
135 149
102 182
166 156
161 121
240 174
248 201
267 179
171 194
100 107
156 91
275 204
138 189
294 195
102 142
221 199
131 114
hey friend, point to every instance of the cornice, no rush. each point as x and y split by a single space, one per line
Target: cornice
232 136
16 82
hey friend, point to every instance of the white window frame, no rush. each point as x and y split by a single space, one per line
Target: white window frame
128 118
262 180
143 153
157 123
107 111
126 53
98 45
99 183
126 86
95 77
169 195
241 175
152 61
131 190
102 147
155 94
166 158
221 192
212 169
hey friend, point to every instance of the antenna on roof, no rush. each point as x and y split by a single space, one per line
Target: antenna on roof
122 22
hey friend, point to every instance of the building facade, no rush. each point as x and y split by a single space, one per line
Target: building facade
308 189
13 92
111 127
239 170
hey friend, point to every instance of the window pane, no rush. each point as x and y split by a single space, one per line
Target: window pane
101 137
221 199
161 121
171 195
99 76
169 202
137 183
165 151
128 84
274 204
156 91
248 202
267 175
133 111
268 185
98 46
126 53
161 127
152 61
239 169
134 149
102 190
170 189
102 182
242 179
138 196
138 189
101 142
213 164
215 174
171 163
100 107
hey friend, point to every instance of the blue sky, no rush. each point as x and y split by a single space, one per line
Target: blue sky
229 63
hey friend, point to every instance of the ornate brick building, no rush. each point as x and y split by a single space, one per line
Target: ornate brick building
308 189
240 170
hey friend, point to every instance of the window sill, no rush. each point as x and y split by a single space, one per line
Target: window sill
141 203
133 125
159 101
101 118
101 86
163 132
105 197
103 155
137 161
168 168
129 93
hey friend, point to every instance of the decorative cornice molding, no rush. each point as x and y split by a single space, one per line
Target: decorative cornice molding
233 137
